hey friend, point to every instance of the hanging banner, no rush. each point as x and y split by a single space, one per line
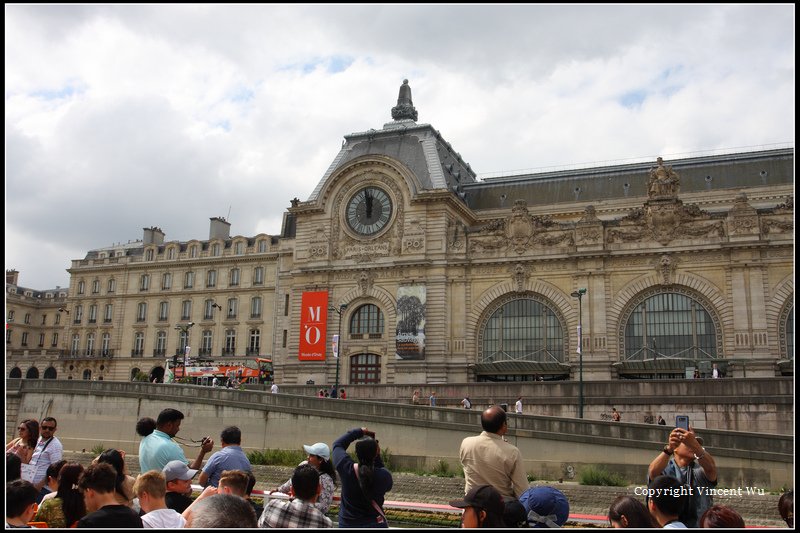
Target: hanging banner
313 318
335 346
410 333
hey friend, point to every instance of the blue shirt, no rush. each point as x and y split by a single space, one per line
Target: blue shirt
157 449
228 458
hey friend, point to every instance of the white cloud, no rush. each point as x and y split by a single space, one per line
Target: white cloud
121 117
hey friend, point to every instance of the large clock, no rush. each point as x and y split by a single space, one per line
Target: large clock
369 210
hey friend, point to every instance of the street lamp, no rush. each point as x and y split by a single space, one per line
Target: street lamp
185 330
579 295
339 310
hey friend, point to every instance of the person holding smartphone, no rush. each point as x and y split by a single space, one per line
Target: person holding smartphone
364 484
685 459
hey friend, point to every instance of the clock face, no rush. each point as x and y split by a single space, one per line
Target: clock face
369 210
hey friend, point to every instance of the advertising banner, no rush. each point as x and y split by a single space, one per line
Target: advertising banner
410 334
313 318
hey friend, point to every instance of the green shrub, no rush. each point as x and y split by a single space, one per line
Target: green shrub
386 457
599 476
442 469
277 457
98 449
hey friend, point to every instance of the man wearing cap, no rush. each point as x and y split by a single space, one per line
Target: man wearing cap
230 457
489 460
179 485
483 508
157 449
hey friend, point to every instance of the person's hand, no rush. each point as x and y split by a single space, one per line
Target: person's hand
207 445
208 491
675 438
690 440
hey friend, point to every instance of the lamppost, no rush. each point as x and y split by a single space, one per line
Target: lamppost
185 330
216 330
339 310
579 295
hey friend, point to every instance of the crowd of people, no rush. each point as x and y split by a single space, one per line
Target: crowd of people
52 492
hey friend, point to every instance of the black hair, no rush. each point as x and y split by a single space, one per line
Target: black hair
72 503
231 435
145 426
100 477
168 415
33 432
493 419
20 494
13 467
54 469
305 481
672 496
326 467
251 483
634 511
366 451
114 458
786 507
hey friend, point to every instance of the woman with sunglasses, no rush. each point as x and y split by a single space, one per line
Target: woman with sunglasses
24 445
319 456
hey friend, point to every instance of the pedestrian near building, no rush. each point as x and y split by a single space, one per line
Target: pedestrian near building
48 451
518 406
157 449
615 416
489 460
432 399
342 394
661 421
415 398
466 402
715 371
685 459
230 457
274 388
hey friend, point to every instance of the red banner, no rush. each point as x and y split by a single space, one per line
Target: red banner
313 318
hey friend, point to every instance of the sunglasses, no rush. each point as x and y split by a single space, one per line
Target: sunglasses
21 428
49 428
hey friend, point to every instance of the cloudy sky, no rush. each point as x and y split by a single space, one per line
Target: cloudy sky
124 117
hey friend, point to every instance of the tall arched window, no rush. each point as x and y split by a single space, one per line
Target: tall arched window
87 374
788 334
365 368
670 324
15 373
366 321
161 343
138 344
205 345
32 373
50 373
523 329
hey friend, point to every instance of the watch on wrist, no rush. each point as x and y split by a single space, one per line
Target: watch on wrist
666 450
702 454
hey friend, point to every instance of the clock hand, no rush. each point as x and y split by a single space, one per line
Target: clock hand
368 198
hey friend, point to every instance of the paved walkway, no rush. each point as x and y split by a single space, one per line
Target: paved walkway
756 509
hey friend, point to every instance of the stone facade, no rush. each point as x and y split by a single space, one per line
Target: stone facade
399 211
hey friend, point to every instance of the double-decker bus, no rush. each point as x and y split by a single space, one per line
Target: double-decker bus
247 370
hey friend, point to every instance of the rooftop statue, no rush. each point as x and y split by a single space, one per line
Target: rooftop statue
405 106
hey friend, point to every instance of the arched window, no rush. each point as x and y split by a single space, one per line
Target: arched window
366 321
365 368
788 334
81 287
96 286
32 373
50 373
90 344
87 374
134 372
15 373
523 329
670 324
112 285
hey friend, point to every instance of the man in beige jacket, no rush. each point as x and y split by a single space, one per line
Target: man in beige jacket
488 459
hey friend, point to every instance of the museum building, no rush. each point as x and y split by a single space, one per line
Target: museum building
412 270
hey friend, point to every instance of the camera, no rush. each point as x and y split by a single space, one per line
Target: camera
682 421
370 434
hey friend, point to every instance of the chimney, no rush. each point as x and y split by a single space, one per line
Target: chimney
220 229
12 277
153 235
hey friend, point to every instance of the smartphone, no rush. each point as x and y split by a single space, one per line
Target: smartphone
682 421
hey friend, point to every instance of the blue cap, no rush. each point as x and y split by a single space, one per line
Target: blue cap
546 506
321 449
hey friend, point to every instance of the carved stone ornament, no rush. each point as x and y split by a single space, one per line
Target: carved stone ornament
520 227
666 267
414 238
405 106
742 218
664 182
589 229
318 248
664 220
455 234
365 281
520 274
